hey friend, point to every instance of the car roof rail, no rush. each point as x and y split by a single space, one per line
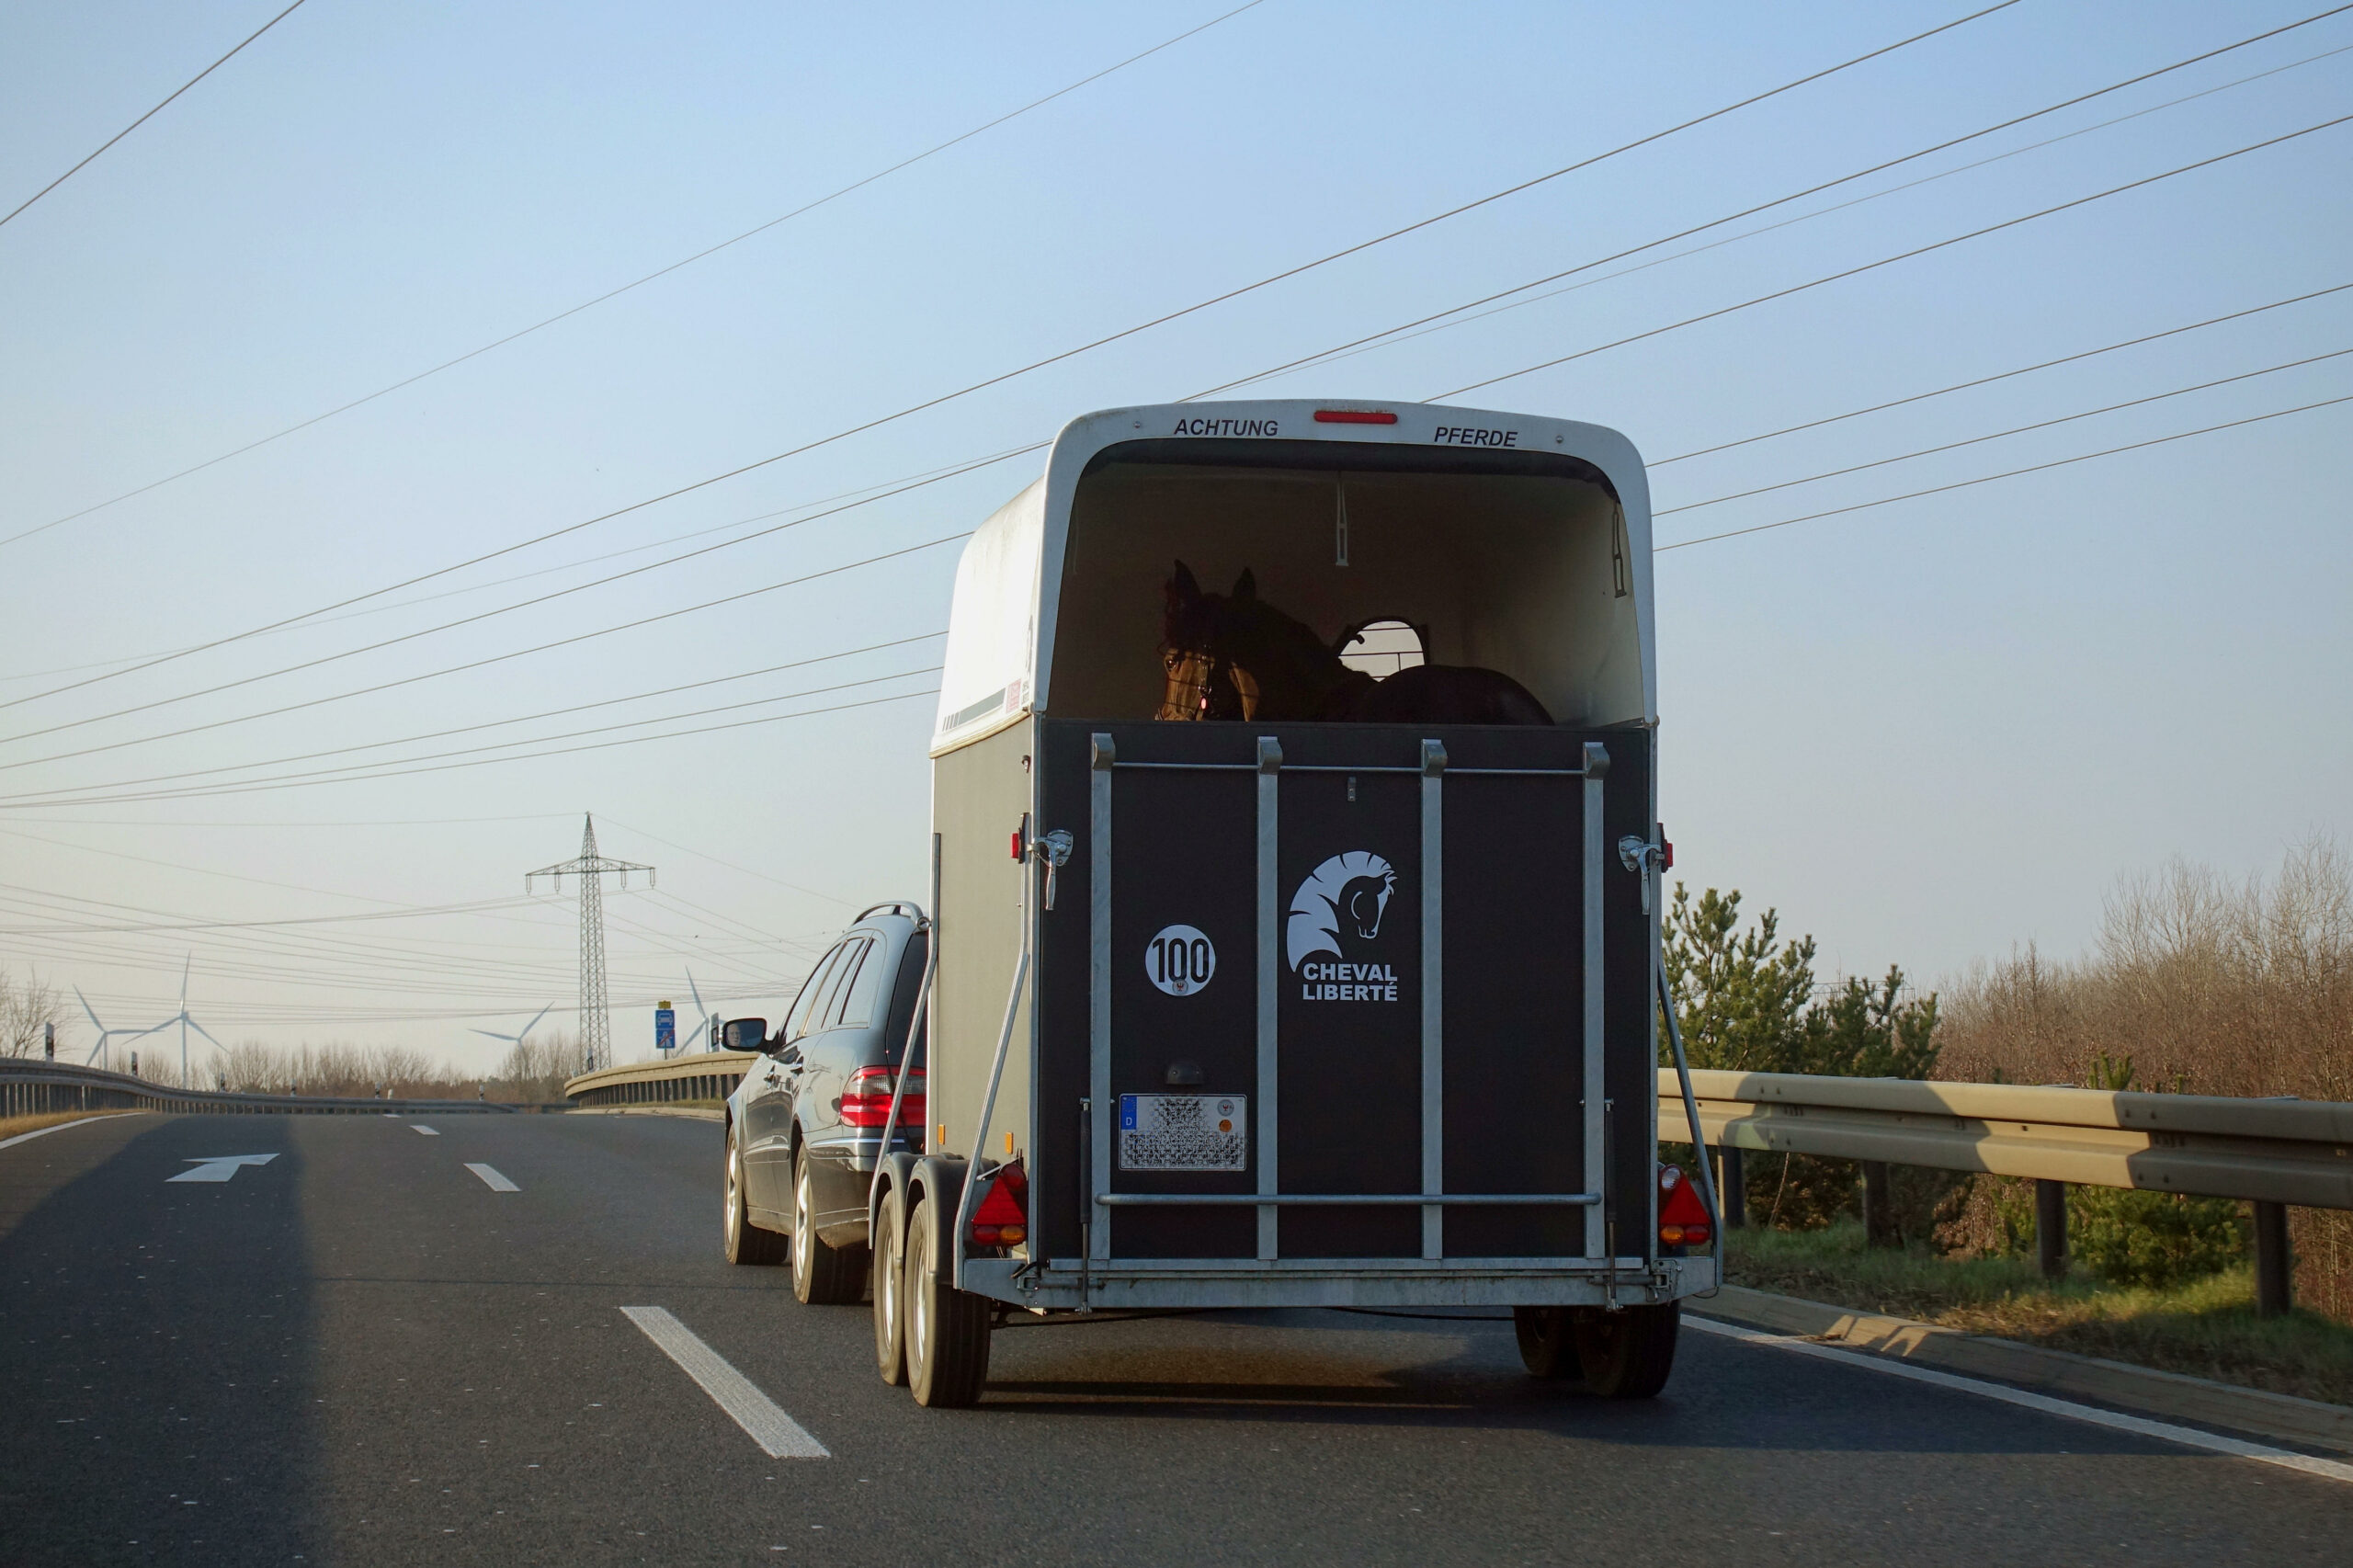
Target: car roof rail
907 907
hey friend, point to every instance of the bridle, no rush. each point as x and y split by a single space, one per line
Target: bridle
1190 673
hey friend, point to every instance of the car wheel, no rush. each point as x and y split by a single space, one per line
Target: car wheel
947 1329
1547 1347
821 1276
740 1240
1629 1353
890 1318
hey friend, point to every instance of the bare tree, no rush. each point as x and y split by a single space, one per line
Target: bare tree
27 1008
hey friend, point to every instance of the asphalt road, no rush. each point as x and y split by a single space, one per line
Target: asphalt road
361 1353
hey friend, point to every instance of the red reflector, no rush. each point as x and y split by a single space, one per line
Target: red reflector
1354 416
1680 1208
1668 845
866 1098
1001 1218
1017 844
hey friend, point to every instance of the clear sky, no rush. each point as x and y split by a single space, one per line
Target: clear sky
1926 731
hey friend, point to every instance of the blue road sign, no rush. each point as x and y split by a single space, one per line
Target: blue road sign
665 1028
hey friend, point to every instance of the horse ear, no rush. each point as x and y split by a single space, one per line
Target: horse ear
1182 589
1245 586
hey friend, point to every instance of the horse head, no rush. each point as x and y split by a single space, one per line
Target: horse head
1365 900
1203 681
1351 890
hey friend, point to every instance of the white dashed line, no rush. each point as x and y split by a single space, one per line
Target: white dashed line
428 1131
778 1434
2139 1426
492 1180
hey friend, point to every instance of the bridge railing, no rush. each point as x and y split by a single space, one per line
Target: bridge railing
703 1076
40 1087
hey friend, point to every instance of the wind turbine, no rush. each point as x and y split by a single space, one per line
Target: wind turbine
516 1039
703 1028
106 1034
186 1023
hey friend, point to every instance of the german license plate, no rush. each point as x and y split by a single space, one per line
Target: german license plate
1184 1132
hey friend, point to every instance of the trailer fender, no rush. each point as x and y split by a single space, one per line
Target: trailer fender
939 1179
891 1192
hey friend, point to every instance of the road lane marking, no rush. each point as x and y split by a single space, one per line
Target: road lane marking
492 1180
2139 1426
428 1131
78 1122
778 1434
219 1167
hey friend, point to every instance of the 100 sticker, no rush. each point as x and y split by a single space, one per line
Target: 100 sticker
1179 961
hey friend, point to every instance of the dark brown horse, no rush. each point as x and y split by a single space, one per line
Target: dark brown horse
1234 656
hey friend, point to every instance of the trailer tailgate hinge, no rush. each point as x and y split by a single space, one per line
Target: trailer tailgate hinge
1054 849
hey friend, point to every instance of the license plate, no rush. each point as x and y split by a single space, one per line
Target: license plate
1184 1132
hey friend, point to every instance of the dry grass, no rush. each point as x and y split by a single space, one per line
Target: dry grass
2207 1329
2202 985
10 1126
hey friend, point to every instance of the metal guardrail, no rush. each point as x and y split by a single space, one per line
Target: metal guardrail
37 1088
2287 1152
698 1075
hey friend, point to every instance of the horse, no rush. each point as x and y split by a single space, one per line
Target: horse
1235 656
1353 888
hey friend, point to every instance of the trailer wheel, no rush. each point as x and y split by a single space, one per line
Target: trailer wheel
890 1295
1627 1354
821 1276
741 1240
947 1329
1547 1345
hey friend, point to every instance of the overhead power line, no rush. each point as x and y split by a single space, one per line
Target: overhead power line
152 113
2001 376
707 252
1891 260
1404 328
1999 435
2009 474
1035 365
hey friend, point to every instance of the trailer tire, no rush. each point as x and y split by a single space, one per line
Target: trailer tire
1548 1346
821 1276
890 1296
1629 1353
947 1329
740 1240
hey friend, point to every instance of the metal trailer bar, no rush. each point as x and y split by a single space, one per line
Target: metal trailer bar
971 1193
1426 1200
1270 762
1597 1169
1102 757
1433 995
1691 1110
915 1032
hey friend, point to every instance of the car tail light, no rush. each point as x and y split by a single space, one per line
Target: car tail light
865 1101
1683 1216
1001 1216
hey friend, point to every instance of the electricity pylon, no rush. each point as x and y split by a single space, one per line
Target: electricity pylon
595 1027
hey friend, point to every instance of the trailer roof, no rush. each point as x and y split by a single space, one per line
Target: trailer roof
1004 624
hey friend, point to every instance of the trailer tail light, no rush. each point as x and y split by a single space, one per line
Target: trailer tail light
866 1099
1683 1216
1355 416
1001 1219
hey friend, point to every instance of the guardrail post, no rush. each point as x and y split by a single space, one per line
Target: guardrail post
2274 1268
1879 1210
2051 1227
1733 1189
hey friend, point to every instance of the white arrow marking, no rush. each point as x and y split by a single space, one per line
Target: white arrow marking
778 1434
492 1179
219 1167
428 1131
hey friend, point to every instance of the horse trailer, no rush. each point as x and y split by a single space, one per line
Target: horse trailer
1297 945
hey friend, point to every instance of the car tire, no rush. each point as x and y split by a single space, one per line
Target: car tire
890 1287
947 1329
1629 1353
821 1276
741 1240
1547 1344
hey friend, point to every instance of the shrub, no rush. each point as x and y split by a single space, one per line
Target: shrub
2158 1239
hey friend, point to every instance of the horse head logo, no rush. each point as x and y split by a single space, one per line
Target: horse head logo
1351 889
